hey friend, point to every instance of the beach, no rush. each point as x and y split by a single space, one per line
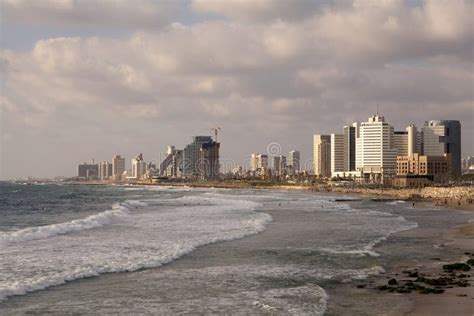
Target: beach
316 256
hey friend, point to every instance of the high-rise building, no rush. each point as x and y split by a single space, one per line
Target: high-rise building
171 166
118 167
262 161
400 142
105 170
138 167
254 161
279 165
195 155
337 153
444 137
86 170
322 155
349 159
293 162
376 155
208 165
414 140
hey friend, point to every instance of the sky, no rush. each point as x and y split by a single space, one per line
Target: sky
91 79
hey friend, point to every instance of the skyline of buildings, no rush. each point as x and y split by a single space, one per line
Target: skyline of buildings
382 154
370 151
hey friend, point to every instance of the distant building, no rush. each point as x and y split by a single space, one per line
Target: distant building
400 142
279 165
262 161
201 158
118 167
337 153
208 164
436 166
376 154
105 170
466 163
322 155
138 167
172 165
349 159
415 141
444 137
86 170
294 162
254 161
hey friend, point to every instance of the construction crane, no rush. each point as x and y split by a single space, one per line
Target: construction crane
215 129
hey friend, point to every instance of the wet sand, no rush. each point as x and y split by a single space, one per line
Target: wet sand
458 300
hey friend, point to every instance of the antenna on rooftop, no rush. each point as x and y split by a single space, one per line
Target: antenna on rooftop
215 129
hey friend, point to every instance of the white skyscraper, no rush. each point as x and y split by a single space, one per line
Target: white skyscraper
376 155
279 164
337 153
138 167
293 162
118 167
322 155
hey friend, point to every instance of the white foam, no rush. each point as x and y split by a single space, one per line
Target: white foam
395 202
368 249
97 220
149 239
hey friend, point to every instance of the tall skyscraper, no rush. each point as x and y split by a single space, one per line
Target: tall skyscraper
279 164
209 161
118 167
444 137
337 153
294 162
171 166
262 161
349 159
254 161
201 157
322 155
401 142
105 170
86 170
138 167
376 155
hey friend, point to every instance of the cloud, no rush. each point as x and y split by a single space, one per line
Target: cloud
260 10
271 77
122 13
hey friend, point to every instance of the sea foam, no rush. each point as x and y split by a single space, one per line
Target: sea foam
119 210
150 239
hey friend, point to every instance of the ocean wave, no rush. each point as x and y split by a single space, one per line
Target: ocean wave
158 255
118 210
367 250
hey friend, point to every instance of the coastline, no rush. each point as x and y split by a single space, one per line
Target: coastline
456 300
456 197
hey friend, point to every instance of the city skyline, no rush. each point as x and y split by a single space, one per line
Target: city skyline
79 84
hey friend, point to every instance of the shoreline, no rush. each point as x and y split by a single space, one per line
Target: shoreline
456 300
457 198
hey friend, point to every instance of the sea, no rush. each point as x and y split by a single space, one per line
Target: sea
118 249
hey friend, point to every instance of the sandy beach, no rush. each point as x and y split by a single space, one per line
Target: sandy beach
455 301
